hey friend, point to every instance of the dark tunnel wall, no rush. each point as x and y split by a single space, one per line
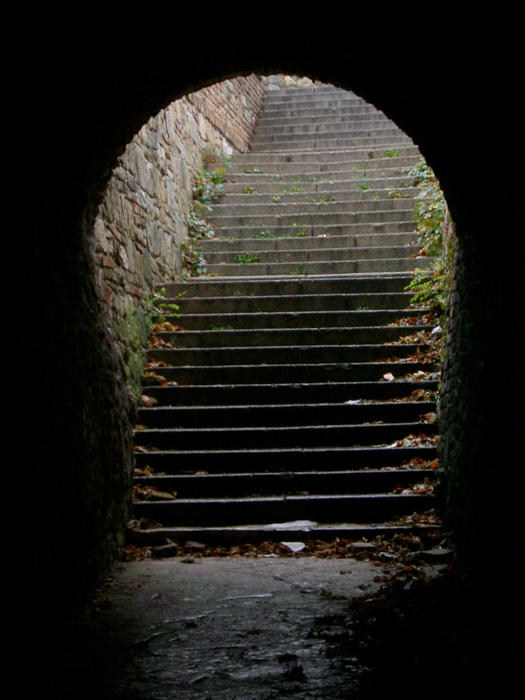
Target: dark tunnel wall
458 100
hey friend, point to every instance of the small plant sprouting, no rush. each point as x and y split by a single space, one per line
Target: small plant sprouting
391 153
323 198
301 269
248 189
247 258
432 286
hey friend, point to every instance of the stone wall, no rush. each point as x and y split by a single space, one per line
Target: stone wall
142 221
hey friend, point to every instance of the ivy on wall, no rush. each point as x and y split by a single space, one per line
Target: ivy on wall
431 286
208 187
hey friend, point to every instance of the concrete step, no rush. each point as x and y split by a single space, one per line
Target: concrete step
291 372
250 303
275 483
254 206
306 230
340 187
209 286
300 131
319 142
276 102
329 252
327 267
310 319
283 414
322 338
274 354
354 155
292 220
285 393
280 459
325 508
252 534
351 117
282 436
266 241
359 192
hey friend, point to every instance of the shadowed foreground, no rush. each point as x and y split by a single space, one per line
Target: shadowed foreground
270 627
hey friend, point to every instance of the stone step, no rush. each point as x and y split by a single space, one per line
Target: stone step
300 131
244 437
247 254
285 393
274 483
274 354
282 414
306 230
321 337
331 218
360 192
310 319
319 142
297 173
266 241
251 303
320 111
209 286
277 205
291 372
253 534
342 188
325 508
332 100
222 335
386 156
292 459
352 118
327 267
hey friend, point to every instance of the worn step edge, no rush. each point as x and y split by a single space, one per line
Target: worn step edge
273 354
309 254
273 483
326 508
238 394
384 429
366 315
249 534
267 241
350 284
267 414
288 459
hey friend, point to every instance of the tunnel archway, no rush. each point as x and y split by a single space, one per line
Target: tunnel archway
104 118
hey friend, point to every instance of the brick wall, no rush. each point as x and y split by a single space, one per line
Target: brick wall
142 220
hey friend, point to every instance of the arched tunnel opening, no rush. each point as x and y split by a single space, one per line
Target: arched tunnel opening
83 439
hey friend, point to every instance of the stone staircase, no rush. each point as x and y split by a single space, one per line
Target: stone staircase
290 408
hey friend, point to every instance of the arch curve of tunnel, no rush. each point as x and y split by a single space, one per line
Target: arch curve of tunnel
80 413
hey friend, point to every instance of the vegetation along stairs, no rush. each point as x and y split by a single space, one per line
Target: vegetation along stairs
296 398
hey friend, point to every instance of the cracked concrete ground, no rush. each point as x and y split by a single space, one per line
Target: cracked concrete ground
237 628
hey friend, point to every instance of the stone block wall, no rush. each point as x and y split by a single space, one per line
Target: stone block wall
142 220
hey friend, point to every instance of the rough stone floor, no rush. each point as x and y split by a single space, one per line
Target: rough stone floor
234 627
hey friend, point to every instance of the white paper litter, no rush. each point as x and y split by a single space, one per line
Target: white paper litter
294 546
292 525
352 402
